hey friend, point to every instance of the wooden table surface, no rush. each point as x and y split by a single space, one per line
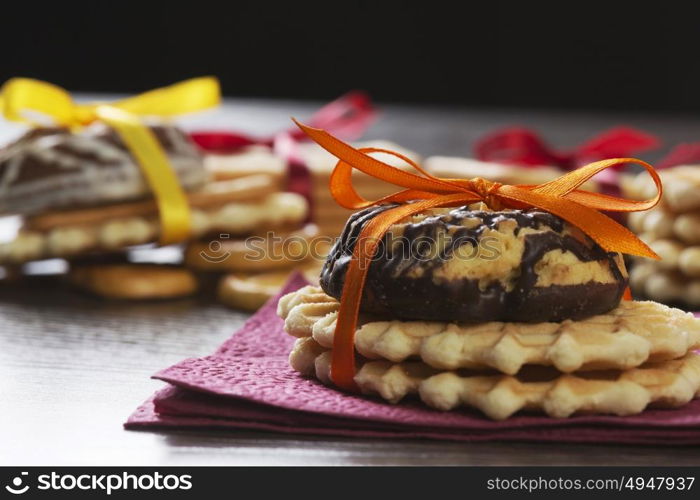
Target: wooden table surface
72 368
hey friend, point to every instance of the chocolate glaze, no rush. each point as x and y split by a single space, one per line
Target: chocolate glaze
53 168
34 167
393 290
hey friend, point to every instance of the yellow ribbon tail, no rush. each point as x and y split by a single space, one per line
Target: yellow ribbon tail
173 207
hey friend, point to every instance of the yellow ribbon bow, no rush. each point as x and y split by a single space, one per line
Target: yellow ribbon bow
21 98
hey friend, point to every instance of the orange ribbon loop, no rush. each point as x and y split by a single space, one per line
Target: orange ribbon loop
425 191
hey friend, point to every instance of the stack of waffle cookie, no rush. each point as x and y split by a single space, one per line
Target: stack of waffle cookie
672 230
82 198
539 328
253 262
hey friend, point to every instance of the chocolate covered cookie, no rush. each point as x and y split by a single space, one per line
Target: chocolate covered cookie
53 168
466 265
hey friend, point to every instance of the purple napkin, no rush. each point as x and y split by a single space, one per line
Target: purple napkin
247 384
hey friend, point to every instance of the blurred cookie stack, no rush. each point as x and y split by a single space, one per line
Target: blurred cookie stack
265 241
469 168
83 198
672 230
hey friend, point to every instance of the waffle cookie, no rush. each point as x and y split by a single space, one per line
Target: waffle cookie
268 251
681 188
672 230
252 160
249 292
665 384
232 207
626 337
667 286
130 281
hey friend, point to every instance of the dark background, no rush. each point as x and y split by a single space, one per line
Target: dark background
577 55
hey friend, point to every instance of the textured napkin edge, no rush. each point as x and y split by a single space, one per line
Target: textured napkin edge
170 376
145 418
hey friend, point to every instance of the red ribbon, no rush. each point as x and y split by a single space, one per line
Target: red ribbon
687 153
348 116
299 178
525 147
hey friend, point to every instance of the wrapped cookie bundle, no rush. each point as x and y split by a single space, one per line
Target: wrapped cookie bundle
672 230
503 298
108 177
256 257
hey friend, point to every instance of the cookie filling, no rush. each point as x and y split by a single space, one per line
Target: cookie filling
467 265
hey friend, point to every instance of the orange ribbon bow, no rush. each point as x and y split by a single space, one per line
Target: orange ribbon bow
422 192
